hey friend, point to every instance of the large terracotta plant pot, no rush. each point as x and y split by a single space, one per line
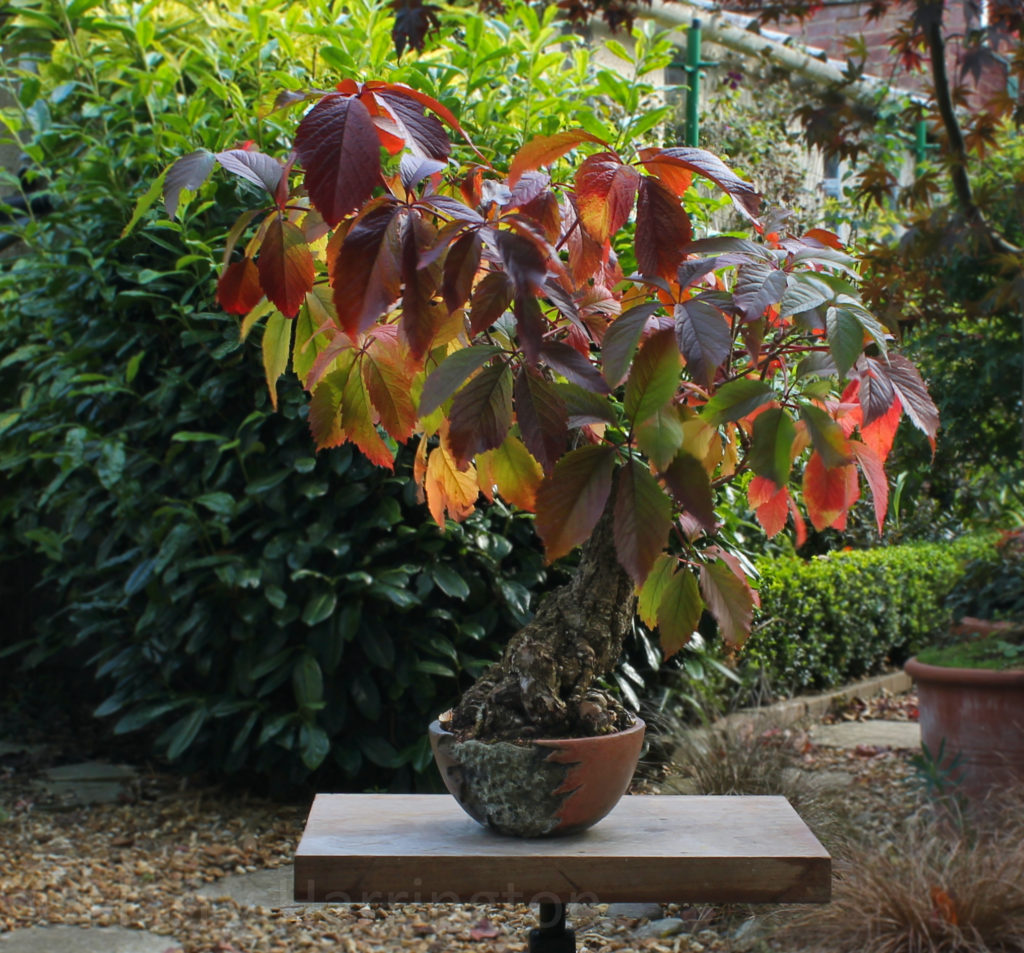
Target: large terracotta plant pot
538 788
975 717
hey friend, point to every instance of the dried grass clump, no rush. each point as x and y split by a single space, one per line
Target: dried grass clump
939 883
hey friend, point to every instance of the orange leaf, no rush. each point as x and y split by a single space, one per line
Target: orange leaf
944 905
357 420
874 473
449 489
388 380
829 493
605 192
770 504
543 150
672 175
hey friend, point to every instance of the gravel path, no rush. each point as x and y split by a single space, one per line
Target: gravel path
139 865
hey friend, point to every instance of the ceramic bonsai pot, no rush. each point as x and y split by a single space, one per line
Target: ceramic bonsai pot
538 788
976 718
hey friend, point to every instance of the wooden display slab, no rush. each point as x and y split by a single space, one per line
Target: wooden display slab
422 848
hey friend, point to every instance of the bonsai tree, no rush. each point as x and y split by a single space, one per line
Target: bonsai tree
552 331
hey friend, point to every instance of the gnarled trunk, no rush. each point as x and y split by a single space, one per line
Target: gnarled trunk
544 684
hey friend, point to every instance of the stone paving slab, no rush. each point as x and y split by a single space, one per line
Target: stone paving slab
872 733
89 782
62 939
271 889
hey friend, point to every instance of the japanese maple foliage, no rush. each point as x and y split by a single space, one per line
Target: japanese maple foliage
485 314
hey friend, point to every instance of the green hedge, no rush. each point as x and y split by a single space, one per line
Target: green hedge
842 616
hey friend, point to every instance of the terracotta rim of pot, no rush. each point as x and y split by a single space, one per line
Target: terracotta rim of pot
1007 678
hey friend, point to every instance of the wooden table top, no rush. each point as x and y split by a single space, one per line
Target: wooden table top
422 848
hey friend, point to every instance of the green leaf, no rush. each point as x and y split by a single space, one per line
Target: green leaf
845 338
571 500
653 589
307 681
277 348
772 445
184 732
729 599
679 611
826 435
314 746
380 751
139 577
642 519
661 436
321 606
736 399
145 203
223 504
654 377
451 373
449 581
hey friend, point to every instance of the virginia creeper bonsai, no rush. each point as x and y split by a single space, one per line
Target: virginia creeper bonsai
554 333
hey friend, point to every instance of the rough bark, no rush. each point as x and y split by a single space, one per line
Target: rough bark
544 684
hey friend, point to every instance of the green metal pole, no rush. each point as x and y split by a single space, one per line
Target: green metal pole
693 65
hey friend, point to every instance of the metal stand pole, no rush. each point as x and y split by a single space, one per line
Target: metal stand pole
552 936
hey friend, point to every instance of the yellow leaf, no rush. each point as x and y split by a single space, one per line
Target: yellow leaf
449 490
513 470
277 346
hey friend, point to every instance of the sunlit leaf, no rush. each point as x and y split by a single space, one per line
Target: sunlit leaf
449 490
357 420
829 492
605 193
874 472
770 504
826 435
744 196
277 344
389 383
771 445
679 611
729 599
255 167
239 289
543 150
514 471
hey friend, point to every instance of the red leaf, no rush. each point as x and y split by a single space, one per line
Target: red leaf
688 483
770 504
642 519
530 326
662 230
880 433
744 196
285 266
542 417
571 500
524 259
419 316
460 268
338 147
484 930
239 289
729 598
605 192
481 413
829 493
490 300
874 472
543 150
367 272
827 436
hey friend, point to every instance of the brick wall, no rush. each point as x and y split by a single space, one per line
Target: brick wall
831 27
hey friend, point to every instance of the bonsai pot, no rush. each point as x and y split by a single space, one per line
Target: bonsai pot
975 718
538 788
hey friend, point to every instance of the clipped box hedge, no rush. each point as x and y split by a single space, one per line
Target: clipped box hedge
847 614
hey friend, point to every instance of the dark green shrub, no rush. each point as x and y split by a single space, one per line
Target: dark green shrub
251 606
843 616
